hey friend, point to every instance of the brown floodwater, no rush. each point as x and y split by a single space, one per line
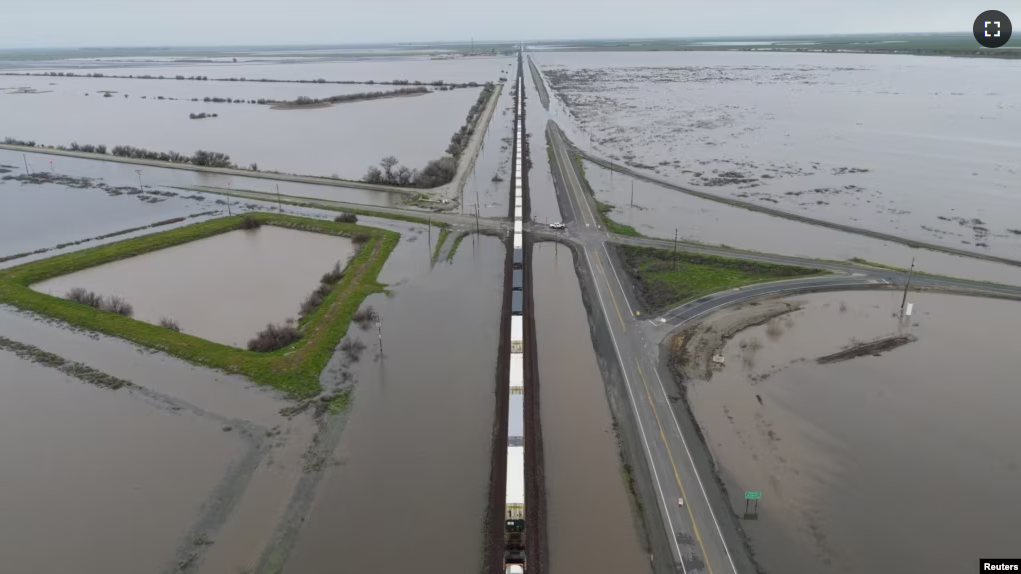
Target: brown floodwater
542 193
111 479
223 288
489 183
895 143
907 460
342 140
658 212
406 488
587 503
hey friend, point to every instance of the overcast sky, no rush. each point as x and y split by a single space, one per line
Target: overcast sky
53 23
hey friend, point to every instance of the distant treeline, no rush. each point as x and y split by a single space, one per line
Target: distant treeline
343 98
438 171
435 83
201 157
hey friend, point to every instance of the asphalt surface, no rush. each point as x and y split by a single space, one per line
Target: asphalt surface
703 532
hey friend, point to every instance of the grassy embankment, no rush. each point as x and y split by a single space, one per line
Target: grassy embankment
294 369
663 280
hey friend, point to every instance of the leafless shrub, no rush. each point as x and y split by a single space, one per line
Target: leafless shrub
773 329
274 337
843 307
360 238
250 222
314 299
85 297
365 317
333 276
346 218
168 323
352 348
115 304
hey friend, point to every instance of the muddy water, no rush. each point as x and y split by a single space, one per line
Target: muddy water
658 211
223 288
906 460
98 474
414 68
541 190
341 140
406 488
39 216
493 161
892 143
125 174
587 502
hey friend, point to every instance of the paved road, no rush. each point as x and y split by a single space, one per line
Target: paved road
702 532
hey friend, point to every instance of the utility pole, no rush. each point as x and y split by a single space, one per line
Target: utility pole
52 170
140 188
228 207
675 249
280 205
429 230
25 157
379 327
904 300
632 192
476 218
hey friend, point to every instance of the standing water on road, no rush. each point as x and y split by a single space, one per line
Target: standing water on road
587 502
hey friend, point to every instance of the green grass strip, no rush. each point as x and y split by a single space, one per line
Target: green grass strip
663 280
294 369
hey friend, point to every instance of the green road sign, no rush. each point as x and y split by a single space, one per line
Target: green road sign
752 495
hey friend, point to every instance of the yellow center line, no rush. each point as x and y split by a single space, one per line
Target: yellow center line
609 288
677 476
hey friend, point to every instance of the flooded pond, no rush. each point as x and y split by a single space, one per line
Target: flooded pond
411 472
168 179
83 464
907 459
380 69
587 502
223 288
658 211
341 140
899 144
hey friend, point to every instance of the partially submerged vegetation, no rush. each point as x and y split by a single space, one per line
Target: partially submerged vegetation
438 171
200 158
433 83
77 370
274 337
111 304
294 369
201 116
662 278
305 101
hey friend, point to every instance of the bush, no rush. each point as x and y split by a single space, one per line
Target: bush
250 222
365 317
333 276
168 323
437 172
352 348
314 299
360 239
346 218
274 337
84 296
118 305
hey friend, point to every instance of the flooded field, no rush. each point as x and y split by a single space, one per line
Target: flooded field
43 216
490 180
542 193
479 69
223 288
411 472
305 142
658 211
901 144
587 502
82 464
169 179
906 459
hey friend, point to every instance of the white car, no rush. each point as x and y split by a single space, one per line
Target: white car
557 225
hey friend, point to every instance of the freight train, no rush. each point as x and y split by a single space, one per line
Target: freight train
514 512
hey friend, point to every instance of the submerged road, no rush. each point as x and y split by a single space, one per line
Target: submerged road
703 534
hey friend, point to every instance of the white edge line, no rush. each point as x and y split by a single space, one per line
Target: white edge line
617 277
634 407
695 471
733 301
